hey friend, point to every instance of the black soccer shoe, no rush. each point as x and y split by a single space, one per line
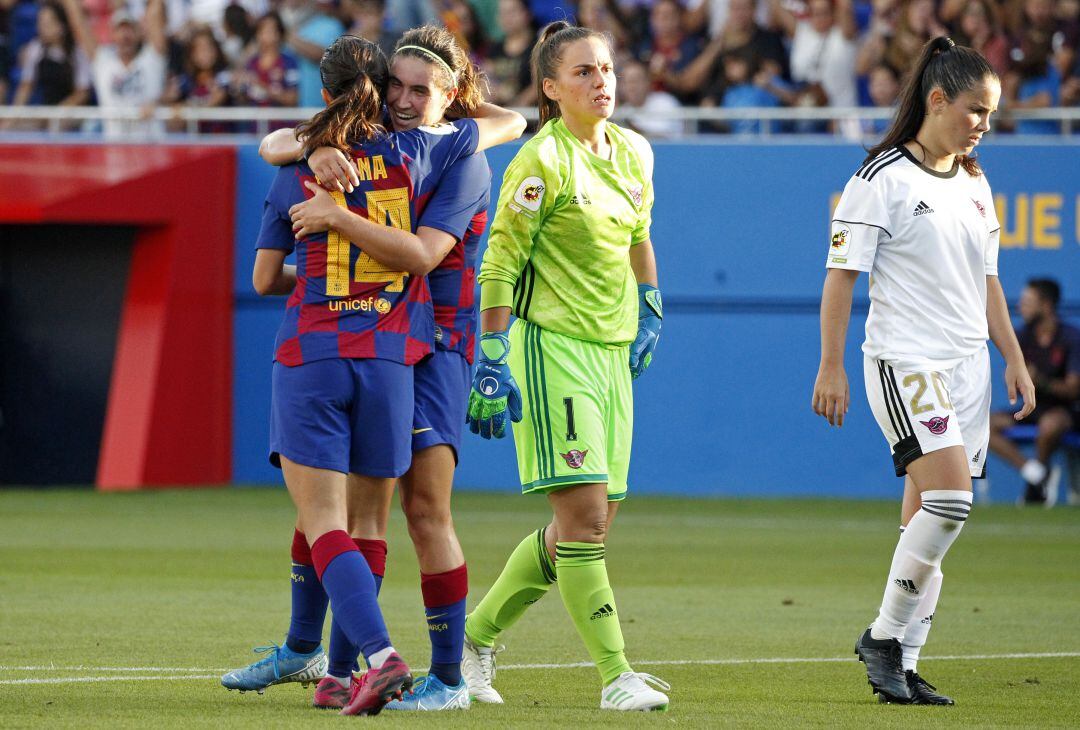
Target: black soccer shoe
923 693
884 668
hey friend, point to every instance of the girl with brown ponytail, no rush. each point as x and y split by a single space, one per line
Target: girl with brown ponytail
343 387
430 78
918 216
570 254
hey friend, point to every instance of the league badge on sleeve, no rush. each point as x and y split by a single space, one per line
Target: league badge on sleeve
840 241
530 193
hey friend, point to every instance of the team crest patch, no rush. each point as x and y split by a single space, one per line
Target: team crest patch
980 206
530 193
841 239
382 306
937 425
574 458
635 194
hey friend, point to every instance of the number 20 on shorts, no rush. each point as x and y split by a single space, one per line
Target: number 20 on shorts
919 380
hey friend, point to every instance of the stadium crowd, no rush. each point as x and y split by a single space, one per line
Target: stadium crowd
670 53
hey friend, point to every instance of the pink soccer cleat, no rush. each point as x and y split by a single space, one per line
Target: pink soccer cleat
379 686
330 695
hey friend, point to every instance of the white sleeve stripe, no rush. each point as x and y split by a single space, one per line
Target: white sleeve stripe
862 223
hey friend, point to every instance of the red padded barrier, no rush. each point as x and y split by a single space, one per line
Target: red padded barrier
169 413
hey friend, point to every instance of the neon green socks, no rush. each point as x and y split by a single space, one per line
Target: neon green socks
527 576
583 583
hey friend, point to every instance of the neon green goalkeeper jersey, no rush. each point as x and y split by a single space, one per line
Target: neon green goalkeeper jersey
558 252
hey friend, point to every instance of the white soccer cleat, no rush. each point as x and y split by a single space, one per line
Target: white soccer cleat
478 669
631 691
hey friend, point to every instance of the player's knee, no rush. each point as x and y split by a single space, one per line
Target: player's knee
427 521
588 528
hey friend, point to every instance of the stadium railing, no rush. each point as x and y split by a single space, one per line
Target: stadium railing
850 122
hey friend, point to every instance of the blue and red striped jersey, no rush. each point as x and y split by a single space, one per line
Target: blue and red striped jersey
459 207
346 304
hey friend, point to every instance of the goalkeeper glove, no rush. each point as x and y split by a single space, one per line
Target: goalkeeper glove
494 391
650 315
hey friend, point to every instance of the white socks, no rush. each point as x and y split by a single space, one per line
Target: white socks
1033 471
918 557
918 628
376 660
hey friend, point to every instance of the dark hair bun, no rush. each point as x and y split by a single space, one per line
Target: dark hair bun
552 28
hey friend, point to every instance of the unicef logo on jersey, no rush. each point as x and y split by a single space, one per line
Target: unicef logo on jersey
489 386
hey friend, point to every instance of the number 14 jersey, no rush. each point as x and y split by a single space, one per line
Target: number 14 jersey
346 304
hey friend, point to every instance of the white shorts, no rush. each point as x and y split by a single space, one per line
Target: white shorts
923 411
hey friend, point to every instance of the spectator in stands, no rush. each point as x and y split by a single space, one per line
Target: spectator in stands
459 18
507 67
238 34
646 107
129 73
899 42
205 81
5 49
670 50
602 16
884 88
54 71
1052 353
748 85
740 32
1033 82
271 76
367 19
708 17
823 54
309 29
405 14
978 25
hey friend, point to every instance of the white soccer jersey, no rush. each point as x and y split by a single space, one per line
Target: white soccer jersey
928 239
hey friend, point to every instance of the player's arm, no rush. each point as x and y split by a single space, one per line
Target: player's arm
271 275
1017 378
417 253
832 396
496 125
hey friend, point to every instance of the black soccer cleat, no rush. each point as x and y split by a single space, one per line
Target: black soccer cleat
884 668
923 693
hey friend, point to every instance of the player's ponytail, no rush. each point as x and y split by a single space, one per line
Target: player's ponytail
942 64
547 55
437 46
355 74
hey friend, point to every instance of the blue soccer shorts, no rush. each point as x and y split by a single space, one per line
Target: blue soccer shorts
346 415
442 384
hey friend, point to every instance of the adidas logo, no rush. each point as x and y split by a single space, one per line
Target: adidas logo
604 611
582 200
928 620
978 455
922 208
907 585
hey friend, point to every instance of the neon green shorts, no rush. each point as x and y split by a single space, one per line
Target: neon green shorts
578 408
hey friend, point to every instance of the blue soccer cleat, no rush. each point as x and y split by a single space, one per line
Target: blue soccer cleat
429 693
280 666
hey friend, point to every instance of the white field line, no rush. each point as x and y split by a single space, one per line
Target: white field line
178 673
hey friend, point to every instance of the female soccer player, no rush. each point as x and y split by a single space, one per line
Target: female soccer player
919 217
570 255
429 75
342 378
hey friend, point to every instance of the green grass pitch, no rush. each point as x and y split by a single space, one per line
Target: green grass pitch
123 610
